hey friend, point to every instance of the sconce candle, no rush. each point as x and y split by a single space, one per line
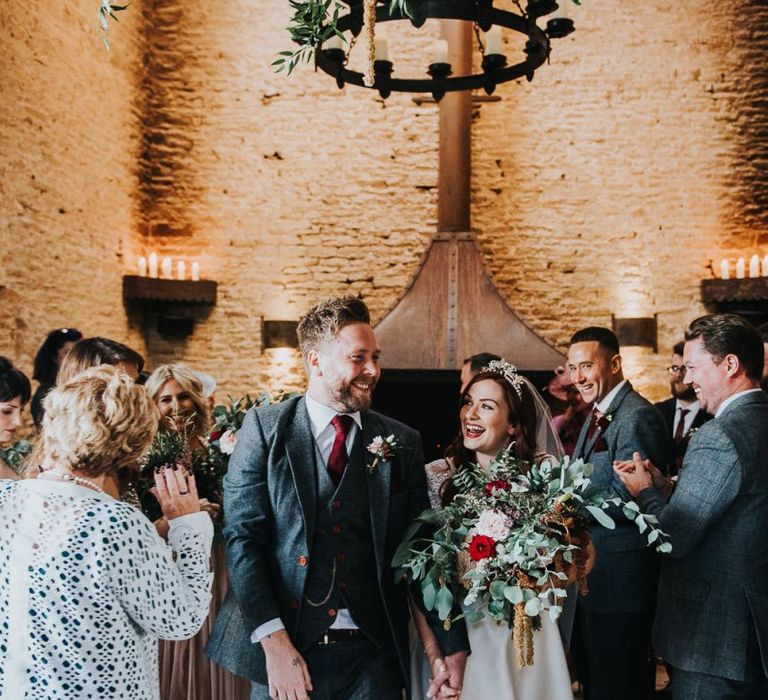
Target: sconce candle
166 268
754 266
765 266
725 271
141 263
740 269
153 265
195 271
181 270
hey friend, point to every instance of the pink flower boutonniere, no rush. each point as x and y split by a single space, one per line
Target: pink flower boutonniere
383 449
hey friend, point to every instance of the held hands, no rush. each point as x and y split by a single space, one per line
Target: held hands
640 474
286 670
447 676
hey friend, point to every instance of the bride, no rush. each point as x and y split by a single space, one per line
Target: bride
499 408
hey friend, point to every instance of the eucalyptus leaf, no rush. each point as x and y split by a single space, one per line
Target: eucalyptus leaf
601 517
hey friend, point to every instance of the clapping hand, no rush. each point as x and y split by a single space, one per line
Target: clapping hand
639 474
176 492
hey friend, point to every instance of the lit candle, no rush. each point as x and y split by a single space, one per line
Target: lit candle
195 271
142 265
754 266
153 264
440 54
725 272
382 48
166 268
493 43
181 270
765 266
740 269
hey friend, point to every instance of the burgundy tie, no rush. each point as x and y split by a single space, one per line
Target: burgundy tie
681 425
337 461
594 421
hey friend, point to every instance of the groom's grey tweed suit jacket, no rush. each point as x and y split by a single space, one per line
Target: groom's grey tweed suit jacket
626 570
713 589
270 506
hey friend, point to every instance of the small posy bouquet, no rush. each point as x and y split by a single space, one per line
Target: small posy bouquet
510 541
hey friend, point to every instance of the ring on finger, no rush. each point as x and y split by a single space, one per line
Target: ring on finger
183 493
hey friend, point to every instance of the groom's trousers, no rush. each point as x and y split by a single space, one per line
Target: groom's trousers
356 669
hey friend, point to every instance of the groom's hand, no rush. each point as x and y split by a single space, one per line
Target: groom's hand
455 665
287 671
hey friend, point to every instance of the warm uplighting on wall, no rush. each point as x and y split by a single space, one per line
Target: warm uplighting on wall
755 268
148 267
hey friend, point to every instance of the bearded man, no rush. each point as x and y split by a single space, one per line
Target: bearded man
318 495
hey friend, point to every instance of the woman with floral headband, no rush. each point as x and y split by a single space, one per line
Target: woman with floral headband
499 409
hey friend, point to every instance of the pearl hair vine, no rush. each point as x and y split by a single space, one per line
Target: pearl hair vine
509 372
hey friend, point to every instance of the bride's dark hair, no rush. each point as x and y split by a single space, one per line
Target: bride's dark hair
522 414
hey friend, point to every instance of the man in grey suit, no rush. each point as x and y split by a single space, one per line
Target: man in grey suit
611 642
313 520
712 617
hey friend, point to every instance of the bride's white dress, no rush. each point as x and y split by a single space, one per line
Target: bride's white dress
492 669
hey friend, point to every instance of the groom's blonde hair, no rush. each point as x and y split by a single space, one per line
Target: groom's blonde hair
323 321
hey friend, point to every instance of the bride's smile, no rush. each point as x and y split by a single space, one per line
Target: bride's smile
485 423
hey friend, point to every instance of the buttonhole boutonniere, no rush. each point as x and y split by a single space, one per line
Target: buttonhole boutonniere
383 449
604 420
690 433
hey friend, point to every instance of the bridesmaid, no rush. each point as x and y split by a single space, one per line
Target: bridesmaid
186 673
14 394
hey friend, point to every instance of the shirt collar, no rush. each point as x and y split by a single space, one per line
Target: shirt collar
320 415
732 398
605 403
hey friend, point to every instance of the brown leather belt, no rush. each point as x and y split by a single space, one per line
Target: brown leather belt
333 636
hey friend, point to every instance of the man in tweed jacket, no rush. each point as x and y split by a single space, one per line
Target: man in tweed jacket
611 642
313 521
712 618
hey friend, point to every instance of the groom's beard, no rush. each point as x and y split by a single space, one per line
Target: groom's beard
353 399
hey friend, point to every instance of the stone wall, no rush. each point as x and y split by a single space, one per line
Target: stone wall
605 186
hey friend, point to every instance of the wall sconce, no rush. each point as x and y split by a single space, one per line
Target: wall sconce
637 331
279 334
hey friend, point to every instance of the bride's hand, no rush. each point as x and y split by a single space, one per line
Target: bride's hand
439 685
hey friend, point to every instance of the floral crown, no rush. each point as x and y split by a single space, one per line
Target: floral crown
509 372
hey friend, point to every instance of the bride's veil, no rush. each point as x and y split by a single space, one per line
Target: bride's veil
547 440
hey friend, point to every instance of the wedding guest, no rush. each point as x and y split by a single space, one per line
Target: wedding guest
92 352
186 673
88 585
568 425
46 365
611 641
499 408
473 364
682 413
313 524
14 394
712 617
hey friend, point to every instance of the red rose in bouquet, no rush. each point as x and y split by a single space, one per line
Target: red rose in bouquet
498 484
481 547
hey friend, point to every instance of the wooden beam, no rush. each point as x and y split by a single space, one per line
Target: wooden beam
453 182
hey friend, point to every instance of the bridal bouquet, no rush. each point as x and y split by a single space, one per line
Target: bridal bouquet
13 455
510 541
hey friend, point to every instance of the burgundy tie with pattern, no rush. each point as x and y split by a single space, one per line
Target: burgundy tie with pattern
337 461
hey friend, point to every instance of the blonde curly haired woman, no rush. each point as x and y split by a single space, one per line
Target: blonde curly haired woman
88 586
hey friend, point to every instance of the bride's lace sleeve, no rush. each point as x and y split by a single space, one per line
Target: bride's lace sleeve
438 472
166 590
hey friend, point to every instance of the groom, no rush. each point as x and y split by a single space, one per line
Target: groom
313 520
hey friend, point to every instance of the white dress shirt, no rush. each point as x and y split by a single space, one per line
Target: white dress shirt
605 403
692 408
320 417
